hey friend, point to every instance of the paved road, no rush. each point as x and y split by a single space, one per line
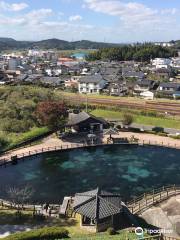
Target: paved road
146 127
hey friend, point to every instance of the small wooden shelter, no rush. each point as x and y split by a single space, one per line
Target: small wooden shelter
99 210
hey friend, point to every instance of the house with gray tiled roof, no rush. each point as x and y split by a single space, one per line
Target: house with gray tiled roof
99 210
84 122
168 89
91 84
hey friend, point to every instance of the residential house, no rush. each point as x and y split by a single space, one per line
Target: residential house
72 82
163 73
91 84
111 73
161 63
143 85
51 81
133 74
168 89
148 95
117 89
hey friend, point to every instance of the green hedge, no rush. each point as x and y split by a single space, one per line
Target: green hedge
175 137
47 233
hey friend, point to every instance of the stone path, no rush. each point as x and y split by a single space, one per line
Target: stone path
166 216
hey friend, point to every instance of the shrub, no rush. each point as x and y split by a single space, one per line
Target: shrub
162 134
158 129
175 137
149 113
127 119
111 231
3 142
47 233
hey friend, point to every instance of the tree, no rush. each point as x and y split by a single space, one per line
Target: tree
20 196
52 114
3 142
127 119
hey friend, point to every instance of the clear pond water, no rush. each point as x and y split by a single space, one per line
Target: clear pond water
128 170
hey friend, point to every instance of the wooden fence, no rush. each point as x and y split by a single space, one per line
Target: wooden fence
14 159
147 200
169 238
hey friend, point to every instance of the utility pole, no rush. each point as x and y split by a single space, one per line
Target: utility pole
86 103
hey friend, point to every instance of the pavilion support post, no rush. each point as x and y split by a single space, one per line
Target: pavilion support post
153 195
175 189
145 196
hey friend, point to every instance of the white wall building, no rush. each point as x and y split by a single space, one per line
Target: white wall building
148 95
161 63
91 84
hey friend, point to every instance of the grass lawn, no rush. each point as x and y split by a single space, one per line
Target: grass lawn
121 235
15 139
35 132
126 98
131 99
145 120
9 217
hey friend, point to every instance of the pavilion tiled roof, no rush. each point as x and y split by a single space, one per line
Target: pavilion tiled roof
97 204
75 119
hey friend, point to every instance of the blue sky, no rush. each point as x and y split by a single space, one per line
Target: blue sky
98 20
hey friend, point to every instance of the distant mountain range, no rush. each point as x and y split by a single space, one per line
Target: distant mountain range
11 44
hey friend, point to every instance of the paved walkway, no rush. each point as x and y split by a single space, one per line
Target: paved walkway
150 139
47 142
166 216
54 142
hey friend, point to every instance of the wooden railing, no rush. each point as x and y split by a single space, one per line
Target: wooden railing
170 238
32 208
13 159
147 200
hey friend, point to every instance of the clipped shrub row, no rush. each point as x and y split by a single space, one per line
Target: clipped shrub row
111 231
175 137
47 233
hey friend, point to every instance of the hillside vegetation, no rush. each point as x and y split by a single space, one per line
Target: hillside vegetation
9 44
18 118
144 52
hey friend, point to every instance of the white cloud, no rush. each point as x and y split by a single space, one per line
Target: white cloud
132 22
40 13
172 11
130 13
75 18
136 21
15 7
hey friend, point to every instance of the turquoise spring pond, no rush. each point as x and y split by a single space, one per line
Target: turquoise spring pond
128 170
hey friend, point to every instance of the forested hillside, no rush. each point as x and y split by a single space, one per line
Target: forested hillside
143 52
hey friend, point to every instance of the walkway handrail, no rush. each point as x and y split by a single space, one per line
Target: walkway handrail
143 202
52 149
6 160
25 206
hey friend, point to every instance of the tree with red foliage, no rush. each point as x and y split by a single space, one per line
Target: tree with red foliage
52 114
